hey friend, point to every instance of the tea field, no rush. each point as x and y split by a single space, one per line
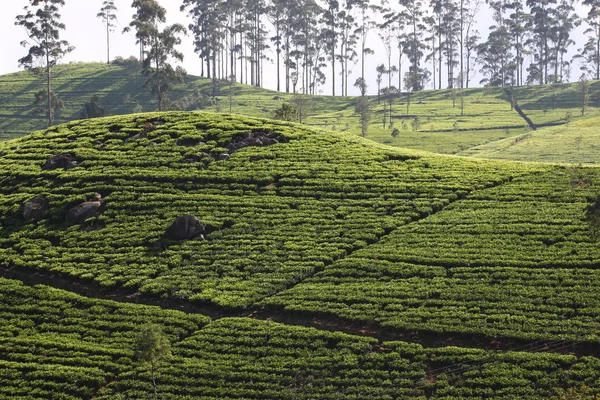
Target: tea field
311 264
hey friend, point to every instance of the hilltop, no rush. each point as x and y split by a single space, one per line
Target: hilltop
487 129
286 262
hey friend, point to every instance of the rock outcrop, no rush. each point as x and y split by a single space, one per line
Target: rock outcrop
36 208
88 209
63 160
185 228
253 139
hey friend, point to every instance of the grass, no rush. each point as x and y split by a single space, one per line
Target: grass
488 121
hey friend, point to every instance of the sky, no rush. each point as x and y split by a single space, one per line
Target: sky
87 33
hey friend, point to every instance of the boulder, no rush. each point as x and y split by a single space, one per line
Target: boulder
83 211
248 139
137 136
35 208
185 228
63 160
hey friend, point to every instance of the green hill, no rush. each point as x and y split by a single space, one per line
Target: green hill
488 121
311 264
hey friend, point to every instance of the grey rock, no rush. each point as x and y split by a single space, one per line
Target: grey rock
35 208
185 228
83 211
63 160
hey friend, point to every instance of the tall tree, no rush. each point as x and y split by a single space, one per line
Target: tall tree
467 37
156 66
366 23
42 24
208 18
362 107
495 55
386 34
541 24
276 13
161 48
435 22
348 41
566 20
450 26
108 15
590 53
517 23
152 346
415 43
330 35
148 13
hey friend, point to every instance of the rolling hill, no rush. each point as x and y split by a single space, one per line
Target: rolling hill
487 127
288 262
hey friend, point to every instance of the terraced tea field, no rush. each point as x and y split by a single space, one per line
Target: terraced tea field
311 264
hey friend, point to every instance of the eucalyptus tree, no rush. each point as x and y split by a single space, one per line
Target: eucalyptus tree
541 24
590 53
366 22
495 54
276 13
159 48
466 37
208 18
430 22
348 40
255 38
471 42
330 34
108 15
386 34
435 23
148 13
566 20
415 43
309 46
517 28
450 27
41 22
380 70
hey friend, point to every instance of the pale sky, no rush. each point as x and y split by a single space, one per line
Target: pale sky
86 32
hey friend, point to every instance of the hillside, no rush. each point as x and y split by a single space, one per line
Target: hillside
488 120
308 264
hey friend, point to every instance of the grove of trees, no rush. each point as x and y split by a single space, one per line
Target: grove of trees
314 43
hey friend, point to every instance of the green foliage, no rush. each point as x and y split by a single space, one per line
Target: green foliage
43 28
287 112
416 123
40 104
363 111
152 347
93 108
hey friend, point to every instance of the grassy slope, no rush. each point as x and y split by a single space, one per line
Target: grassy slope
487 120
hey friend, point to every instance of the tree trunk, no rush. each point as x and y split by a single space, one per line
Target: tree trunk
48 92
154 380
107 41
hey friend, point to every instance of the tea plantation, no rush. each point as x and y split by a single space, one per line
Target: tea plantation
286 262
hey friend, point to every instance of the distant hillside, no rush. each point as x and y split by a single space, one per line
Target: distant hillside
440 127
